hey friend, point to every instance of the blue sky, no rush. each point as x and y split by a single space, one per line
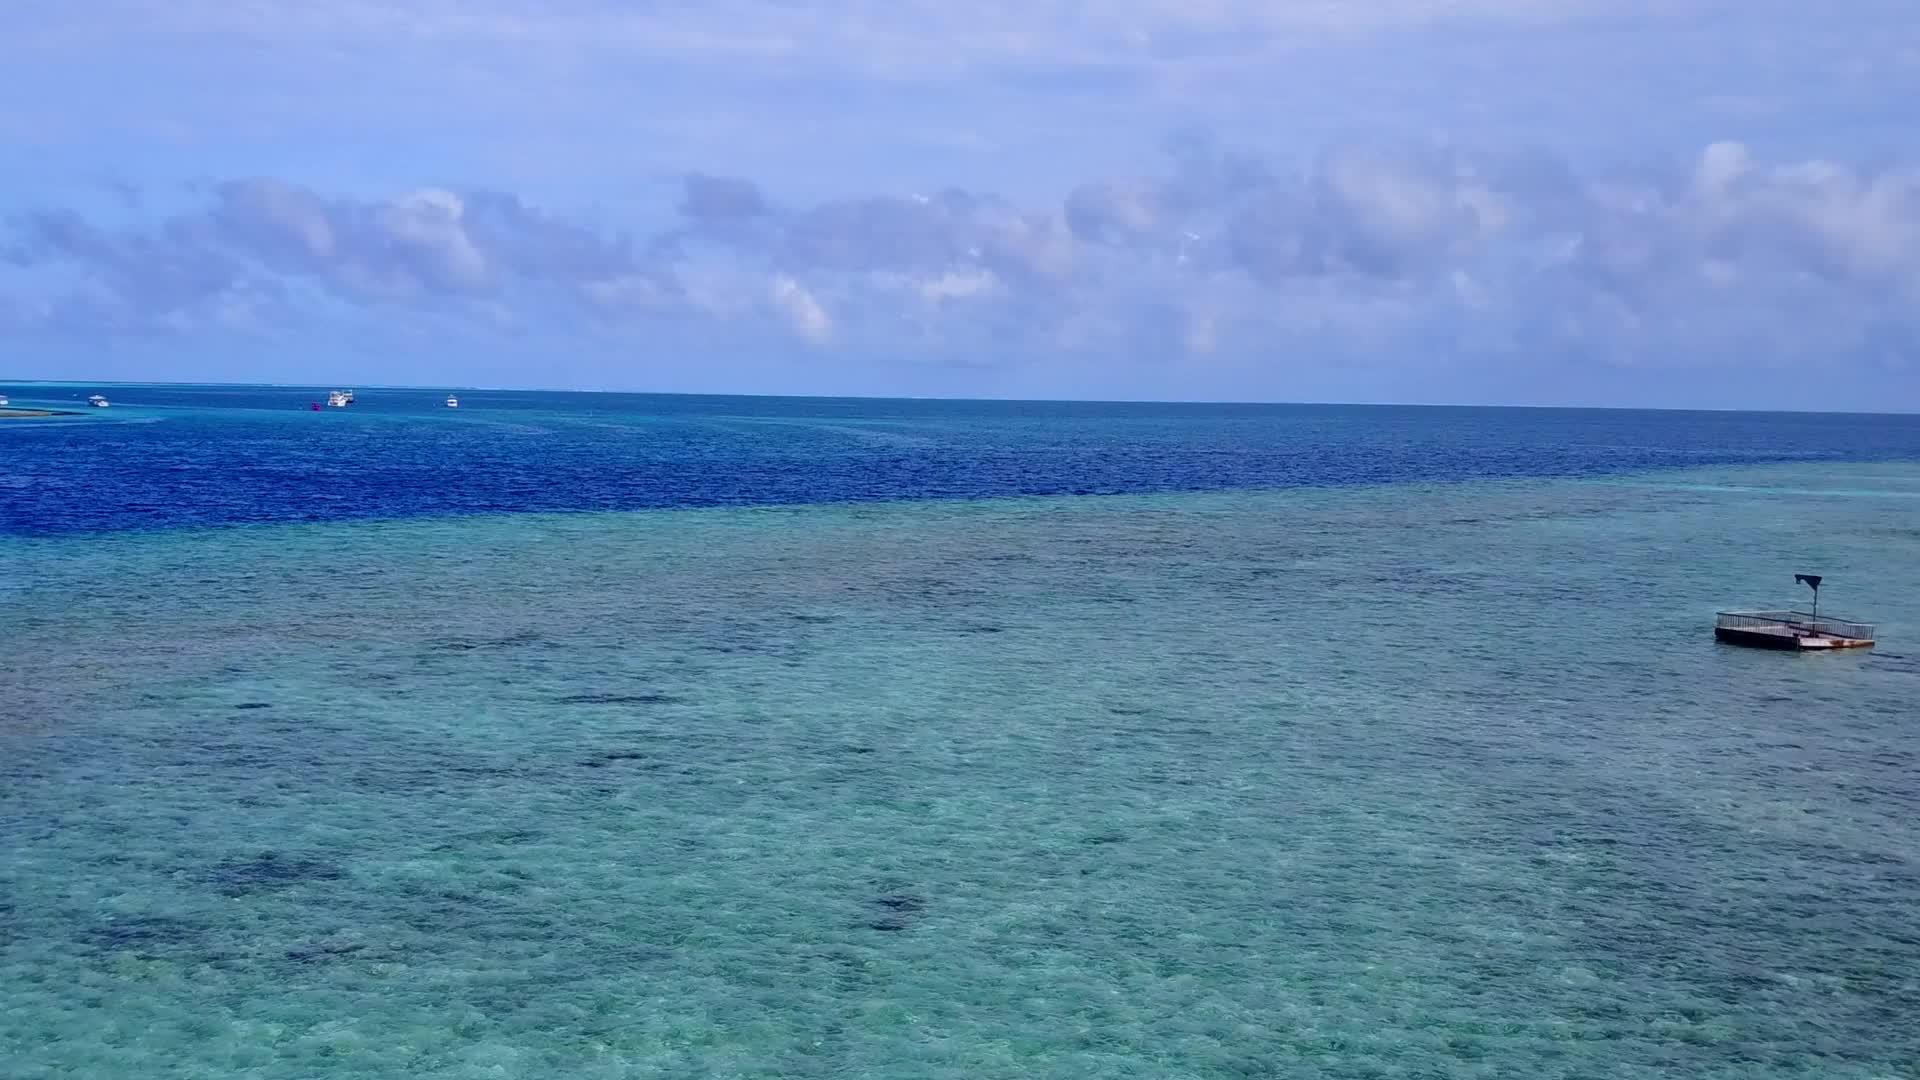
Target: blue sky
1689 203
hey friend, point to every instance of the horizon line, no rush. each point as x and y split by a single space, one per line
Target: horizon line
446 388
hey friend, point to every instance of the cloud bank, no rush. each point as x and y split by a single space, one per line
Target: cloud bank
1415 264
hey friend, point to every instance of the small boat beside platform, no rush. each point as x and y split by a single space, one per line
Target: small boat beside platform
1795 630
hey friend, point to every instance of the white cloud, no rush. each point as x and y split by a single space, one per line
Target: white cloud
427 224
1720 165
557 98
295 213
959 285
803 313
1409 254
1821 217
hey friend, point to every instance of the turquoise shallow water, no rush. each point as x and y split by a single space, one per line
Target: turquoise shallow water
1392 781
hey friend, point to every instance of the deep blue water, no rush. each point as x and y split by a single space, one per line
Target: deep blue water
168 455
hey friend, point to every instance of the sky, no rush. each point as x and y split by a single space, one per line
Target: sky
1689 203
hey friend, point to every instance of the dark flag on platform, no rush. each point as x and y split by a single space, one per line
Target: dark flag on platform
1813 582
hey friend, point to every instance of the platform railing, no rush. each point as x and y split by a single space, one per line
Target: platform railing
1800 622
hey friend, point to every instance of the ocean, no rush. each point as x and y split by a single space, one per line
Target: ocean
633 736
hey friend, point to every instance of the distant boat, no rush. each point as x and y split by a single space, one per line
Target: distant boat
98 402
3 401
340 399
452 402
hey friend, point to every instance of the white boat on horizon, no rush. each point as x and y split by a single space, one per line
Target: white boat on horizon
340 399
98 402
452 402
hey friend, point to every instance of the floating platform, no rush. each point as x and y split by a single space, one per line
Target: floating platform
1793 630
